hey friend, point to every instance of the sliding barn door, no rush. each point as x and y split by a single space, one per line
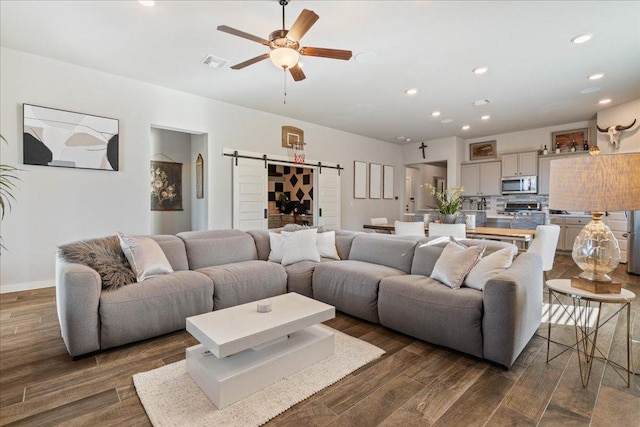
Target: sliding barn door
249 194
329 198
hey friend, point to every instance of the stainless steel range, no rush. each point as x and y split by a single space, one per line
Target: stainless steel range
511 208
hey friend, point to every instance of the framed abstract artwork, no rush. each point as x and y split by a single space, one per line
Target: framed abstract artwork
565 139
166 186
375 176
67 139
359 180
387 182
483 150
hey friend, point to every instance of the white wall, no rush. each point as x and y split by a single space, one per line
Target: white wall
171 146
59 205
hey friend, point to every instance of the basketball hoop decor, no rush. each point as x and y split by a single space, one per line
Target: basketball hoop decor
296 154
293 141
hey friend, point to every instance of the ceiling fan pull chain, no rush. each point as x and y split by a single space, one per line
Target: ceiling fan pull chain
285 85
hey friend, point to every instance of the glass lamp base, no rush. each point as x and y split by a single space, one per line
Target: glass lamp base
596 250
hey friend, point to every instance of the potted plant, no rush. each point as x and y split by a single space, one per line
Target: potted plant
448 202
8 178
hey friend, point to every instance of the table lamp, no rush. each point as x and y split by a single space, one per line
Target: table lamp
598 184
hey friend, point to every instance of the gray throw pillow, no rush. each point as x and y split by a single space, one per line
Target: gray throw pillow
105 256
455 262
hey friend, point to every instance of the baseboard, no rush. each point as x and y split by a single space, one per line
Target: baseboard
27 286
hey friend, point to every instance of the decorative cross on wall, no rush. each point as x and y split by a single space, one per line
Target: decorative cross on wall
422 147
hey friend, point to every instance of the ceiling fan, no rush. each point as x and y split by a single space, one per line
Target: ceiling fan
284 45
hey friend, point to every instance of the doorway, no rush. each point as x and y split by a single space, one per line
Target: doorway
418 174
290 195
184 153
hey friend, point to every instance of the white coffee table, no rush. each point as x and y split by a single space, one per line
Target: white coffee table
243 351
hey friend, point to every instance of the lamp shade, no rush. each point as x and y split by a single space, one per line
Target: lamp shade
284 57
595 183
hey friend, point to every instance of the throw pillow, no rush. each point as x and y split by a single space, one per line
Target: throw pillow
488 267
326 243
145 256
275 242
299 246
298 227
455 262
105 256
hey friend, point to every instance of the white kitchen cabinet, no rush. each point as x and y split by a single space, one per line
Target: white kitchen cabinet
570 227
520 164
618 223
481 179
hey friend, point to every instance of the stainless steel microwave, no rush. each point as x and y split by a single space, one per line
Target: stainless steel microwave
520 185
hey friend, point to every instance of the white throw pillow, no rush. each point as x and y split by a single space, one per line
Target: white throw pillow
326 243
145 256
488 267
455 262
275 242
299 246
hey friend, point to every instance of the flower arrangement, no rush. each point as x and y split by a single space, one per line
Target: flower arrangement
449 201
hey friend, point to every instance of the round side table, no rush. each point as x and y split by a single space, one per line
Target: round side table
586 333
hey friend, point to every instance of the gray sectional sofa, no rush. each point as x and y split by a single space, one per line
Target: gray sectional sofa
380 278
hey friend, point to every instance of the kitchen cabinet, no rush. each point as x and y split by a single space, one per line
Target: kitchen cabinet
544 169
520 164
480 179
570 227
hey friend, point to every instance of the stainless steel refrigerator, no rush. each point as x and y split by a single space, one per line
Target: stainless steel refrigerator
633 240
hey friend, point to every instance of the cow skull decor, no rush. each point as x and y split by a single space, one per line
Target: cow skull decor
615 133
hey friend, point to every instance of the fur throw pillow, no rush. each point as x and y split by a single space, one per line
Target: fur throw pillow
103 255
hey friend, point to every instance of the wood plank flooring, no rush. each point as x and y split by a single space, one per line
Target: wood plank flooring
414 383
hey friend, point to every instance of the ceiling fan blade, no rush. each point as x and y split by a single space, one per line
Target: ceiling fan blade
250 61
304 21
326 53
242 34
297 73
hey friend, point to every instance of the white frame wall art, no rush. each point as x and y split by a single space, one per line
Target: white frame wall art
359 180
375 180
68 139
387 182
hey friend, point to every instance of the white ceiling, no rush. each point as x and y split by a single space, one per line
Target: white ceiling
534 80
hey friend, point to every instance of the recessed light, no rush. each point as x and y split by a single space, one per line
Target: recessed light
148 3
480 70
466 127
435 113
485 117
592 89
411 91
445 121
604 101
581 39
408 139
596 76
400 138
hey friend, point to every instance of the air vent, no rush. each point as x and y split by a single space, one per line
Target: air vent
214 61
481 102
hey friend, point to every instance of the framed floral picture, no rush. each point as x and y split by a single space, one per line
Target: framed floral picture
483 150
166 186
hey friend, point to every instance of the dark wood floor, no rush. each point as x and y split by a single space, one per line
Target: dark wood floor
413 384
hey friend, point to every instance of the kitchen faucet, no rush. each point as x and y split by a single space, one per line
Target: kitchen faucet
483 204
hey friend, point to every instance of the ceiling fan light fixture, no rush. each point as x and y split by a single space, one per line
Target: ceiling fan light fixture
284 57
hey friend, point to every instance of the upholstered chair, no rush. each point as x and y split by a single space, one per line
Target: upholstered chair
459 231
409 228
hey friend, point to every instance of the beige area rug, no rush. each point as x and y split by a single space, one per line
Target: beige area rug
171 398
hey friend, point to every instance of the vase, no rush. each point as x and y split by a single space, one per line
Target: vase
449 218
